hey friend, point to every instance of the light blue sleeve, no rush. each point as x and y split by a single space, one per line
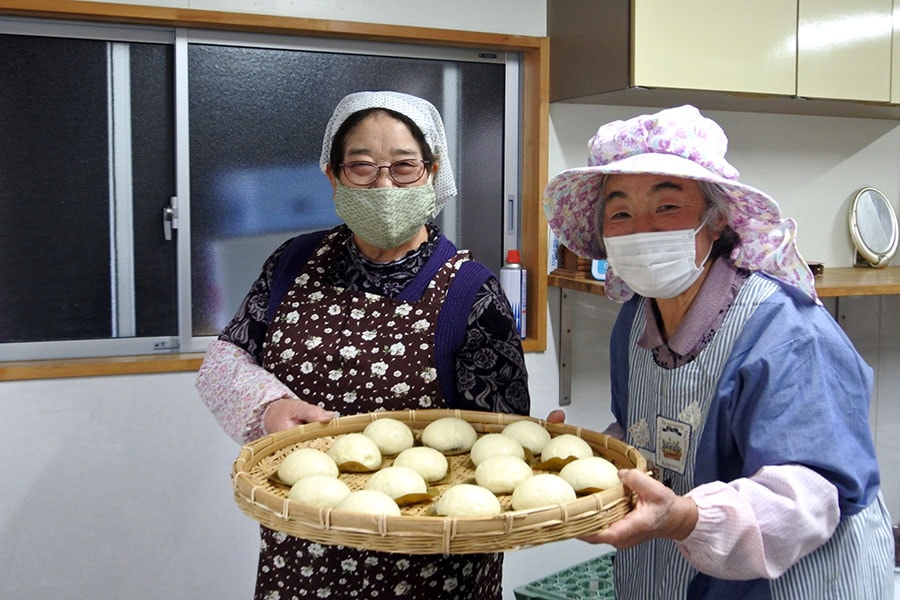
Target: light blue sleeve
794 391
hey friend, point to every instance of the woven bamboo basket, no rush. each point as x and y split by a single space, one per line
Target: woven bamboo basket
416 531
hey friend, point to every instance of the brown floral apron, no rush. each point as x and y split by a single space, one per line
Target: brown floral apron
355 352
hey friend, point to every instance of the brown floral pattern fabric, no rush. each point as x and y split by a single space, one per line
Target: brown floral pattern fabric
490 367
291 568
353 351
339 339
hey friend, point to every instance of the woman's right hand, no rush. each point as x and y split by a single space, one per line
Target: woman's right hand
556 416
287 413
658 513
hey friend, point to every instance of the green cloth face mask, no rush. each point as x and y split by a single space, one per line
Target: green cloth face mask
385 217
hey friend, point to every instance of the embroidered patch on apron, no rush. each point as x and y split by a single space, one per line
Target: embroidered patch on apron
673 440
640 433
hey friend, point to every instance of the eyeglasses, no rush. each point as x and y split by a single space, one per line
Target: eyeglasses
402 172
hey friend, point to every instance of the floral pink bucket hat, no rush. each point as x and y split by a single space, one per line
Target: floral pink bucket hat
683 143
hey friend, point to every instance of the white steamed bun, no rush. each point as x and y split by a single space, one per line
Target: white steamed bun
390 435
565 446
495 444
449 434
431 464
528 433
304 462
370 501
544 489
321 491
355 448
467 500
502 473
397 482
590 472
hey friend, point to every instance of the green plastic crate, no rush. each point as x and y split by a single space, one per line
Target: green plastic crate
590 580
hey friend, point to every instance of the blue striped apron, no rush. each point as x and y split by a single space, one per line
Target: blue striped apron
667 410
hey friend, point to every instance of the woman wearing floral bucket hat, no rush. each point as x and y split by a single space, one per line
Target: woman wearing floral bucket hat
746 397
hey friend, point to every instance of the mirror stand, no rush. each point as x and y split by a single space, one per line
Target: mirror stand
873 228
861 261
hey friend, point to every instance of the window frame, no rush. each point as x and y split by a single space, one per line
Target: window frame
122 316
534 133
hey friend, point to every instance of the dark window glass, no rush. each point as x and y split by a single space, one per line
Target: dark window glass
153 141
54 205
256 122
58 253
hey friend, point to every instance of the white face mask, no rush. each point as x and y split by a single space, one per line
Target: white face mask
656 264
386 217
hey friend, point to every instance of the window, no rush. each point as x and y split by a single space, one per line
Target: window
111 129
86 155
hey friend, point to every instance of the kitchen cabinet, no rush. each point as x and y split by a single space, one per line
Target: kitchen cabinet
895 59
745 47
816 57
844 49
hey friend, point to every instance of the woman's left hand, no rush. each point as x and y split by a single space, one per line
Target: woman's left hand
287 413
658 513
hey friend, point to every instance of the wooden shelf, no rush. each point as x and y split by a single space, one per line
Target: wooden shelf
858 281
578 281
834 282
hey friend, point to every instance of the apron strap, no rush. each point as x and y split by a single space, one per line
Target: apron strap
288 265
453 320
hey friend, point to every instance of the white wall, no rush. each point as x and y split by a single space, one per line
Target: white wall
119 486
517 17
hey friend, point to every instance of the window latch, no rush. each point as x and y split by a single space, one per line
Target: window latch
170 217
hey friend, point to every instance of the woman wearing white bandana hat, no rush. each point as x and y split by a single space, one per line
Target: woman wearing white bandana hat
381 313
746 397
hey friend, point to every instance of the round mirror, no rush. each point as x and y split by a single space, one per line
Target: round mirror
873 227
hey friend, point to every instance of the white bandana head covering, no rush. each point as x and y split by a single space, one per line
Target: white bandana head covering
682 143
422 113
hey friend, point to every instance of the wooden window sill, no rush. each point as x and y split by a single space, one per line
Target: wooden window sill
93 367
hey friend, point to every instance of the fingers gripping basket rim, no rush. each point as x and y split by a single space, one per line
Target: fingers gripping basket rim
266 503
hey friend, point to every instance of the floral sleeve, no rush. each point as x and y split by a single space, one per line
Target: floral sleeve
247 329
231 382
490 368
237 390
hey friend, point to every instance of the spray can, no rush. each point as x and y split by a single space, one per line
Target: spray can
514 281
